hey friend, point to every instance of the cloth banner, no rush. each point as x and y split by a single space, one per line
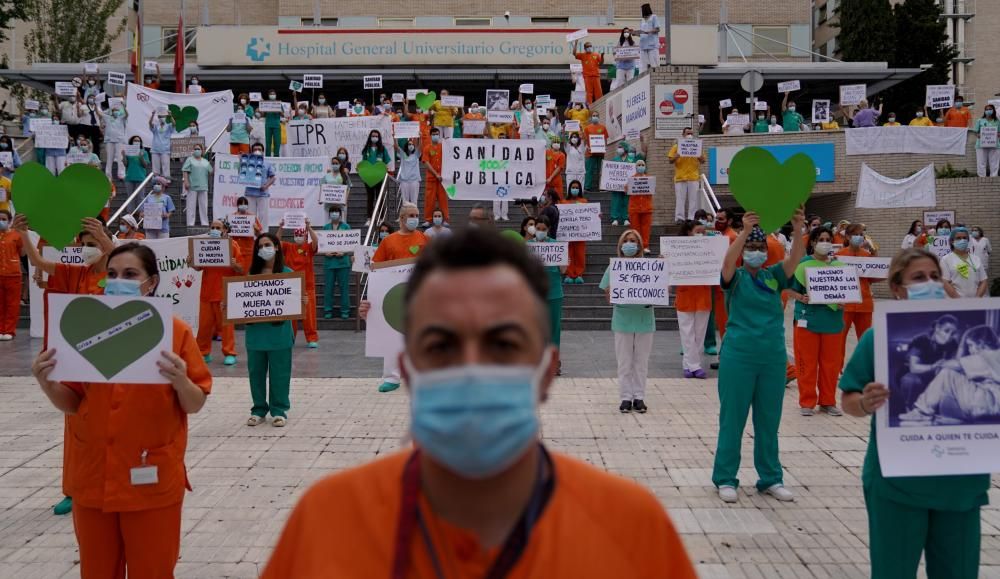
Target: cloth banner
486 170
877 191
296 187
322 137
889 140
212 111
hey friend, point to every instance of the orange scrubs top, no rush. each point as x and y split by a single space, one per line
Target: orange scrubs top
591 63
867 303
10 253
591 130
211 277
400 245
299 257
246 245
593 526
116 423
693 298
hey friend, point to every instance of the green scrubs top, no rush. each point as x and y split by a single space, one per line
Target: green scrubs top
135 171
791 121
555 278
337 262
629 318
756 327
270 335
819 318
943 493
760 126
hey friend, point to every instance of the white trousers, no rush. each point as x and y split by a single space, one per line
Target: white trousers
500 209
157 235
161 164
260 206
114 155
692 327
622 77
197 200
632 351
686 198
987 159
54 164
649 59
410 190
390 369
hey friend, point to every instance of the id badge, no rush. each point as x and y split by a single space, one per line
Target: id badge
144 475
803 323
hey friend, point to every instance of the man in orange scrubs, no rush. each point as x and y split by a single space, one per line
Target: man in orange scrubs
640 209
555 165
299 256
858 315
478 494
592 62
434 194
11 250
211 319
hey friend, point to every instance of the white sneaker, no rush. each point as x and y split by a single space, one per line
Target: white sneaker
628 223
779 492
728 494
614 223
831 410
6 337
368 222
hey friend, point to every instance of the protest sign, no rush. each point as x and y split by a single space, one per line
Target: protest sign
322 137
689 147
295 86
821 111
65 89
251 170
100 338
789 86
32 105
114 102
497 100
694 260
131 150
406 130
626 52
578 96
494 169
270 107
212 110
852 94
726 104
876 191
551 253
940 96
209 252
296 186
363 258
544 100
597 143
338 240
373 81
411 93
453 101
239 118
7 160
833 285
939 245
264 298
931 218
116 78
150 66
333 193
4 195
294 220
639 281
500 117
51 136
571 126
632 134
312 81
183 147
579 222
386 289
760 106
473 127
630 108
526 88
577 67
90 68
71 158
100 98
641 185
871 267
988 137
152 216
256 97
397 97
241 225
615 175
582 33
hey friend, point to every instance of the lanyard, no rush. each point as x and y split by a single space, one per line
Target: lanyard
410 517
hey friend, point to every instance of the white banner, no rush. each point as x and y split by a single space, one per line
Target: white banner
639 281
906 139
212 111
477 169
615 175
630 108
876 191
322 137
579 222
694 260
296 187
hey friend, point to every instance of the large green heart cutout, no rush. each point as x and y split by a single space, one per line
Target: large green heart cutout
55 206
771 189
393 309
183 117
87 317
372 173
425 100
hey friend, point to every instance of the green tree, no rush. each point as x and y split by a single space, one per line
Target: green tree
867 31
919 22
72 30
10 10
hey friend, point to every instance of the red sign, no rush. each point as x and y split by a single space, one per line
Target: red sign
681 96
667 108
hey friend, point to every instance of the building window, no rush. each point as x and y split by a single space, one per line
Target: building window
549 20
325 22
395 23
821 14
769 39
473 21
169 39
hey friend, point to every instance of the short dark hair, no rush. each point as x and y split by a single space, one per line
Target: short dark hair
6 212
946 319
688 226
146 256
478 248
814 237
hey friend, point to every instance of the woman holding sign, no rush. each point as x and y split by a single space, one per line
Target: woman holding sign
124 463
374 152
934 516
625 66
211 318
640 205
299 256
694 306
577 249
542 226
337 269
987 152
408 175
752 365
858 315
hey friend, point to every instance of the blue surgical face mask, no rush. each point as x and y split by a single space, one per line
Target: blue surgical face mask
574 191
475 420
943 232
266 253
121 227
925 290
962 244
214 233
122 287
411 223
754 259
640 169
857 240
383 234
342 157
438 220
335 216
630 248
541 235
435 138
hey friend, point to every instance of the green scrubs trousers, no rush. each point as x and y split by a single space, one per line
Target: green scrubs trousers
592 182
272 141
337 276
899 534
710 328
619 207
746 384
555 319
277 363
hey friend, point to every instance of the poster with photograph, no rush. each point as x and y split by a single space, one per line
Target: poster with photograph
821 111
940 360
498 100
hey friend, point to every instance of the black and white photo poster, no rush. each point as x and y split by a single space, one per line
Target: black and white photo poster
940 360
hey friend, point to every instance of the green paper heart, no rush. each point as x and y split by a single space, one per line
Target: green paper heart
87 317
183 116
771 283
372 173
414 249
55 206
771 189
451 190
425 100
392 307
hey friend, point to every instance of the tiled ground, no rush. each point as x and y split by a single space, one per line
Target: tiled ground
247 479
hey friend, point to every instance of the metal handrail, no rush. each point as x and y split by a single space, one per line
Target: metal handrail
209 147
138 189
379 213
709 194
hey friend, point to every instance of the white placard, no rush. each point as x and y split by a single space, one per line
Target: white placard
256 97
760 105
150 66
239 118
72 158
406 130
344 105
109 339
398 97
453 101
694 260
241 225
500 117
551 253
940 96
632 134
526 88
789 86
296 186
115 102
131 150
498 169
295 86
294 220
582 33
938 245
833 285
270 107
31 105
598 144
382 340
988 137
641 185
7 160
65 89
51 136
473 127
373 81
870 267
101 97
333 193
821 111
210 252
726 104
578 96
639 281
312 81
689 147
853 94
544 100
952 427
931 218
626 52
116 78
264 298
362 262
90 68
411 93
152 216
579 222
615 175
571 126
338 240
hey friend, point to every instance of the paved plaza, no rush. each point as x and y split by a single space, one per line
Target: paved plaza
246 479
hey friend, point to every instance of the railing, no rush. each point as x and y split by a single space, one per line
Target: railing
384 206
708 196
